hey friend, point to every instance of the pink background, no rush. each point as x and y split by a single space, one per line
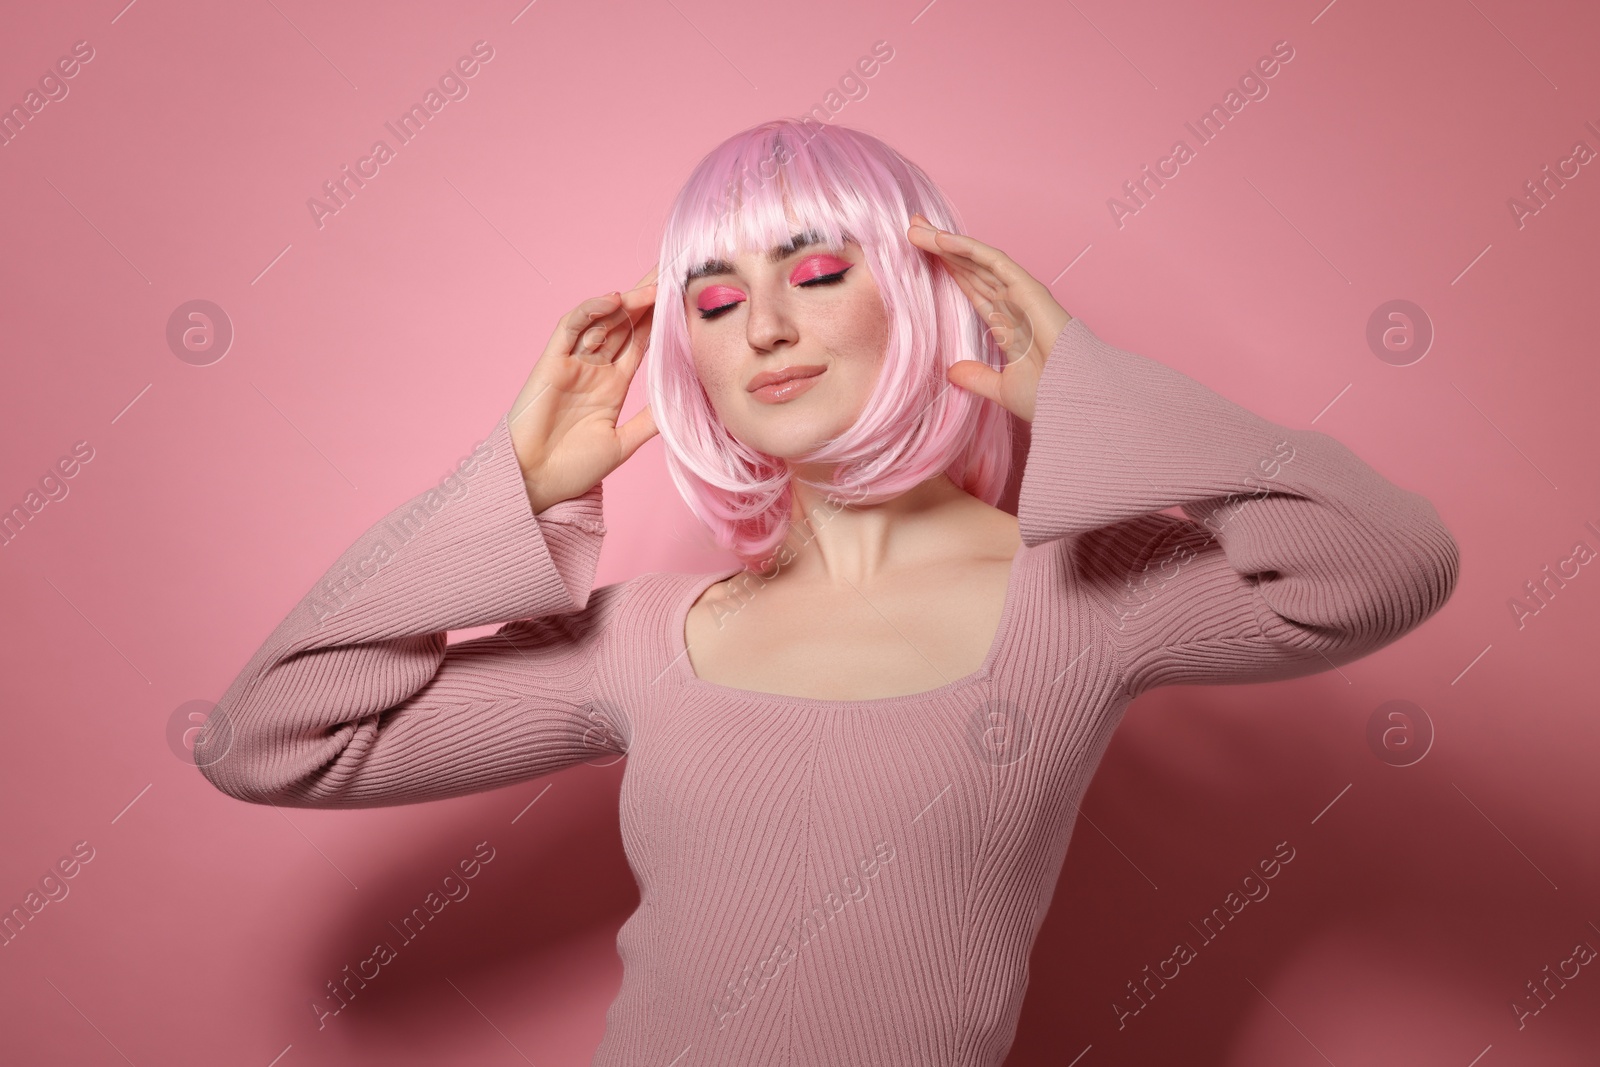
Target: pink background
372 352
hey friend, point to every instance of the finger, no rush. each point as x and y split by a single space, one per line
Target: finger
991 281
1005 322
608 318
977 290
637 299
640 339
994 264
595 306
598 332
985 256
929 241
973 280
640 306
980 300
636 431
959 260
648 278
607 346
624 313
632 354
628 333
1001 268
1012 334
922 235
582 317
602 347
975 376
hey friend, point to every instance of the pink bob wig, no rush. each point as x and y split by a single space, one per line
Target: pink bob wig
845 185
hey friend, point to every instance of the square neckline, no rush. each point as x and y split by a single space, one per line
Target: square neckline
686 672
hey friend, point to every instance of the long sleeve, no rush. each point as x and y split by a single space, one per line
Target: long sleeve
1296 556
356 699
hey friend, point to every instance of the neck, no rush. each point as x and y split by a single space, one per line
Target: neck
836 542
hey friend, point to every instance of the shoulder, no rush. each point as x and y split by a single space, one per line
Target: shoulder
653 599
642 634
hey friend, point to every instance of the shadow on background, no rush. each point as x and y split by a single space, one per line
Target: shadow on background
1399 934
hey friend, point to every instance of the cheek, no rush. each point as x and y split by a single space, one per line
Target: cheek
866 322
711 364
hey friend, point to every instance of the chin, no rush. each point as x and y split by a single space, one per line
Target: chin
789 430
793 442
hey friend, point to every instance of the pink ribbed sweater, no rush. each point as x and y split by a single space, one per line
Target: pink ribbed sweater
837 882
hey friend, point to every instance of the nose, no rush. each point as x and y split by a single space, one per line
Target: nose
768 322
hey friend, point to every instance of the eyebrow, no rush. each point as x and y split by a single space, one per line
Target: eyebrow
788 248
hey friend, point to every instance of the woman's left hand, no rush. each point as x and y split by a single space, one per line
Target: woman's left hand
1023 316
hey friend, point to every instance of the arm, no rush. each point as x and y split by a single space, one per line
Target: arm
1296 555
355 700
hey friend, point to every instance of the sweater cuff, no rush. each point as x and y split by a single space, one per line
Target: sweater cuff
1117 435
569 531
1046 469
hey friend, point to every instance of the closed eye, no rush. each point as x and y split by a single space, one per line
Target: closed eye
825 279
821 279
714 292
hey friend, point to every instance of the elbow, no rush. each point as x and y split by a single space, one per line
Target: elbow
1449 564
277 764
233 785
1403 577
1424 566
236 760
1435 567
231 773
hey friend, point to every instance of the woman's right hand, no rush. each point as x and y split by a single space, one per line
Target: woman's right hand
563 423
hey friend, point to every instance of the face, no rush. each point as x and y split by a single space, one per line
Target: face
799 309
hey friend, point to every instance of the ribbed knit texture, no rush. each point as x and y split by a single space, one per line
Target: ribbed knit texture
828 882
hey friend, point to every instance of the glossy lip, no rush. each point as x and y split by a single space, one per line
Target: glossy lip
772 377
783 392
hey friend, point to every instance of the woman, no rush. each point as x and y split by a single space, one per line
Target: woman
855 759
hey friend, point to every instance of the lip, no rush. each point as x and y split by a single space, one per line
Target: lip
787 374
782 392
